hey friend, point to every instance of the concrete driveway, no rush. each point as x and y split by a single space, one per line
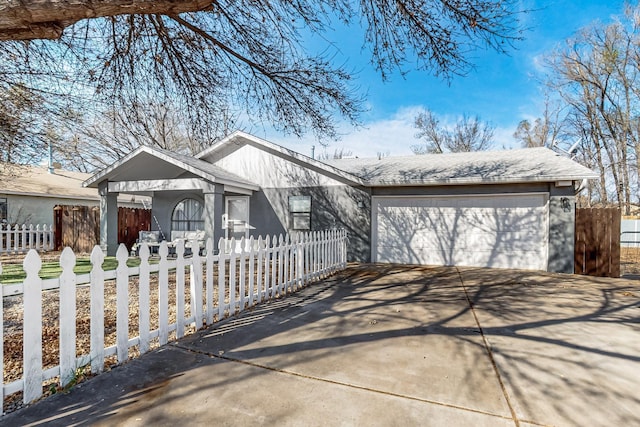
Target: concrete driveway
380 345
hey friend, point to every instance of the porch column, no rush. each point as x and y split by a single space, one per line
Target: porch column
108 219
213 210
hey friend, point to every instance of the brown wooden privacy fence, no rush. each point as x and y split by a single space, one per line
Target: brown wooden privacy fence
597 242
78 227
130 222
215 286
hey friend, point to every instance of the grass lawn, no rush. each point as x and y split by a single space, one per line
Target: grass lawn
13 273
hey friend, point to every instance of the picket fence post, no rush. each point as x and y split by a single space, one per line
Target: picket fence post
209 285
252 277
16 238
163 294
279 263
1 332
259 278
242 287
274 261
267 264
232 278
300 260
144 297
122 304
180 265
196 284
221 278
306 246
284 264
67 317
97 311
32 337
292 267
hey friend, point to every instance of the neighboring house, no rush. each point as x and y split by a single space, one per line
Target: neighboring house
511 208
28 194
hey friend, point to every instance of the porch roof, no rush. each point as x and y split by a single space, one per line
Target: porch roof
147 163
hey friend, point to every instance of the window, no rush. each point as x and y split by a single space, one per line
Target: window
187 216
237 214
3 210
300 212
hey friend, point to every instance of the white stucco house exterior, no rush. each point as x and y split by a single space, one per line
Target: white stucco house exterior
511 208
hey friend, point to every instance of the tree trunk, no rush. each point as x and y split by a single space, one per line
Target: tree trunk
46 19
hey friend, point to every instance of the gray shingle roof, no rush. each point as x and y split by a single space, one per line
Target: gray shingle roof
206 167
28 180
482 167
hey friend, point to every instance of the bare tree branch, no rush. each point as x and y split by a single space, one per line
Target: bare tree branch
467 134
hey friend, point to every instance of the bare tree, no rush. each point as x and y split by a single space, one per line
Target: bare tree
208 60
545 131
597 77
340 153
468 134
20 139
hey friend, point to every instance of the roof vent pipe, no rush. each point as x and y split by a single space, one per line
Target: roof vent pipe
313 151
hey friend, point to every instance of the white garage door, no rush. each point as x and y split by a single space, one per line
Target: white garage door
505 231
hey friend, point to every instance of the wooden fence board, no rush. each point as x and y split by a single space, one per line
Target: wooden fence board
130 222
597 242
78 227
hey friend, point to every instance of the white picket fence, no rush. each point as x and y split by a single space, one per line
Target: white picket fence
262 269
21 238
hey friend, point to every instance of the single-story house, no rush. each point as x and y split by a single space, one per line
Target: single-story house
511 208
28 194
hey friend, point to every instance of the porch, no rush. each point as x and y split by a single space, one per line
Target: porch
189 195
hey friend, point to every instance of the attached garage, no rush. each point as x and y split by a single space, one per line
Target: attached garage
500 209
501 231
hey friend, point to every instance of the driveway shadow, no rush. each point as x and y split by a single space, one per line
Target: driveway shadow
566 349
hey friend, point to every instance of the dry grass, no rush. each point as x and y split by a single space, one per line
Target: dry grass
630 261
13 326
13 331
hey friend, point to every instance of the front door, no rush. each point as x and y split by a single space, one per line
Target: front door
237 214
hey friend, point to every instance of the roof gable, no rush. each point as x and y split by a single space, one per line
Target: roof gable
239 138
155 163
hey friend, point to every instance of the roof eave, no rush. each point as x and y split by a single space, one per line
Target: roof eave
523 180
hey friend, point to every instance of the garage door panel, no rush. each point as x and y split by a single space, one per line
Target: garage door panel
505 231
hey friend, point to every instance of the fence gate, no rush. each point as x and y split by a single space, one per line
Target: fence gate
78 227
130 222
597 243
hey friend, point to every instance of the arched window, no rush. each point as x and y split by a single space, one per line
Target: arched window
187 216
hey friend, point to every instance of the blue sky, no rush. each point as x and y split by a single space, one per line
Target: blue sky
502 89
